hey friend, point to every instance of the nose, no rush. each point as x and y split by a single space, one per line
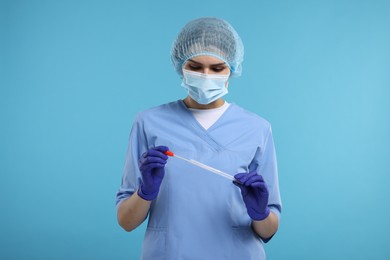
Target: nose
206 70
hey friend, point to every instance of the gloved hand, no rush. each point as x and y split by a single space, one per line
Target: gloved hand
254 193
151 165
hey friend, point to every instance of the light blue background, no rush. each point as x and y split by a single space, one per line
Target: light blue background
74 74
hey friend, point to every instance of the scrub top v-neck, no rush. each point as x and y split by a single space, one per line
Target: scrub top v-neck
207 117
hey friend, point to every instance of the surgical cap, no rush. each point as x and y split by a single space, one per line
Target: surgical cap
210 37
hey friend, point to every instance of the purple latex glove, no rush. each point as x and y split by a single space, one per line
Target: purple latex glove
151 165
254 193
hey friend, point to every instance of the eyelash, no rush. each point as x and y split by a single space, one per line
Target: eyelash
216 69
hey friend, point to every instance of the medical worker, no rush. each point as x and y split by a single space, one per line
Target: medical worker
192 213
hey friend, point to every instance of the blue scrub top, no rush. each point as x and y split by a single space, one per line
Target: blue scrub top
197 214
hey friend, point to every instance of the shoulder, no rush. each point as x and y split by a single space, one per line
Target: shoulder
158 111
250 118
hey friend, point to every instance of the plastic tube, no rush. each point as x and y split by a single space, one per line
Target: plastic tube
204 166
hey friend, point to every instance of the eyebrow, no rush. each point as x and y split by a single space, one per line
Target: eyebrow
217 64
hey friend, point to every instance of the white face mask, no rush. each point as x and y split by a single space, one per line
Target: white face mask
204 88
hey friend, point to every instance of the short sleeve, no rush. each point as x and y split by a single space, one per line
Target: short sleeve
265 164
267 167
131 178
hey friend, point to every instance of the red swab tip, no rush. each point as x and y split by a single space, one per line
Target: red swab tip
169 153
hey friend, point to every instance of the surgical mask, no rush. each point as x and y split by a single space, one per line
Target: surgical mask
204 88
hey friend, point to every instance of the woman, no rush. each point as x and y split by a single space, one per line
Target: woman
194 214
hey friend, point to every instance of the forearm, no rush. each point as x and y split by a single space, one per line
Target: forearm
266 228
132 212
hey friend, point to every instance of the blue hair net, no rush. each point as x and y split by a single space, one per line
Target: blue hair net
212 37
